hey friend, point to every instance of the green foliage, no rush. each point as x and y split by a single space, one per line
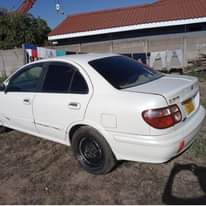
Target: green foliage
2 78
201 75
198 149
3 11
17 29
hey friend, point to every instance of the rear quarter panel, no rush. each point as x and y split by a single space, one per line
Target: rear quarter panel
121 111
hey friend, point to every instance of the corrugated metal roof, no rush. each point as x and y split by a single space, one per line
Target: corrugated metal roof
160 11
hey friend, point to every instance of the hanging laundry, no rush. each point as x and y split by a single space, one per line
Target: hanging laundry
29 46
60 53
29 52
34 53
159 60
169 56
175 59
163 55
152 58
28 56
41 52
50 53
180 56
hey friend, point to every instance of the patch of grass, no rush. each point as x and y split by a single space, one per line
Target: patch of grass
203 102
198 149
2 78
201 75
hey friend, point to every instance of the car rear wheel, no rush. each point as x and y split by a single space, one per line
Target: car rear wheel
92 151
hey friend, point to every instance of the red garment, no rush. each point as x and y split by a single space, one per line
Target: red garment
34 53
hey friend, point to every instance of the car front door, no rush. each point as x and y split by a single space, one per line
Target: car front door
16 101
63 100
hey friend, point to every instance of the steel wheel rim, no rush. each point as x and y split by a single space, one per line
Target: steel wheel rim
90 152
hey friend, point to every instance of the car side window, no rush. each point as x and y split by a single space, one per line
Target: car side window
58 78
79 85
27 80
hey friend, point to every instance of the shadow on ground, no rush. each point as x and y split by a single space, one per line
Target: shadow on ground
200 173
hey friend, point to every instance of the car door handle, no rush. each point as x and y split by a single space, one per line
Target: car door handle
27 101
74 105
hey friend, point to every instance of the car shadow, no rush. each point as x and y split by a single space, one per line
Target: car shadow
199 172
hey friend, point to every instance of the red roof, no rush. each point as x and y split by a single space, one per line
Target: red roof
162 10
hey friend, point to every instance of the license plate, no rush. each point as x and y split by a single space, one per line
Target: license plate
189 106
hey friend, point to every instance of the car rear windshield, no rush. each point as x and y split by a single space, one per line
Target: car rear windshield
123 72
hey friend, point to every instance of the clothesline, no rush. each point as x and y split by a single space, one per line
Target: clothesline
34 53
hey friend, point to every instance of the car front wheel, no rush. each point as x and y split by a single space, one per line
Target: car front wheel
92 151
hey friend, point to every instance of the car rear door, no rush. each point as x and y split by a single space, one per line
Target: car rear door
63 100
16 101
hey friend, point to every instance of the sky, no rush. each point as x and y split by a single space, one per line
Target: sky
46 9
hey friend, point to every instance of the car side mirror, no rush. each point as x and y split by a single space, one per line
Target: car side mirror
3 88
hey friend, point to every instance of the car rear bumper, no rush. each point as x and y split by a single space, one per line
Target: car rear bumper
158 149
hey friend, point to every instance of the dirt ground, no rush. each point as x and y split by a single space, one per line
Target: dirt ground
36 171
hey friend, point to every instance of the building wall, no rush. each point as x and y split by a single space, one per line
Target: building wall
133 45
192 44
10 60
100 47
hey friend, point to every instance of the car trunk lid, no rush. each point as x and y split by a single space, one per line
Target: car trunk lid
180 90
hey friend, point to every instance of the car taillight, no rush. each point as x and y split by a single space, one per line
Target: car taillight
162 118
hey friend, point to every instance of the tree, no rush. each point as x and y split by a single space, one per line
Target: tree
3 11
17 29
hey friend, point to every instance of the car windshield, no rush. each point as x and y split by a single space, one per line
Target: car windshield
123 72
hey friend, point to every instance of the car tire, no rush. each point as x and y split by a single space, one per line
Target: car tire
92 151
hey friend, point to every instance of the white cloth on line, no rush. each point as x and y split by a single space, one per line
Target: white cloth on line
41 52
163 55
50 53
29 52
179 53
152 58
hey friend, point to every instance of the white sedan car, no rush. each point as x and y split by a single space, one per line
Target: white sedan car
107 107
